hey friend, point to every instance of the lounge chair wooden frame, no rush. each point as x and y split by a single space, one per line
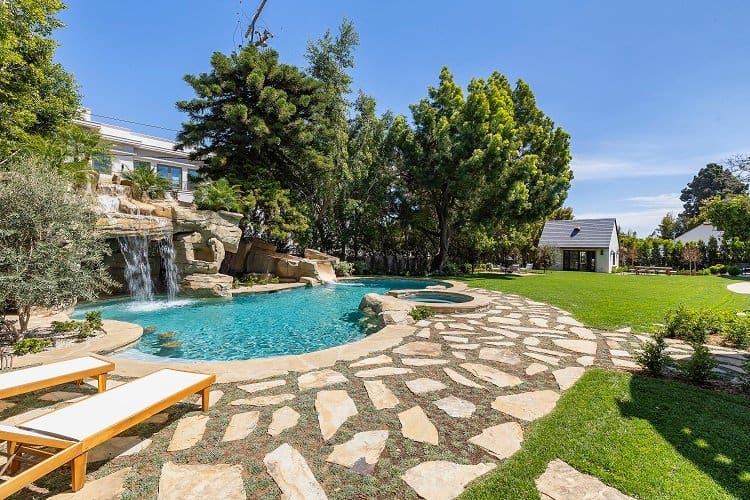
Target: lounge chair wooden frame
99 373
76 452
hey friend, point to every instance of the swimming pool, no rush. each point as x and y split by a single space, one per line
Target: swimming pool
253 325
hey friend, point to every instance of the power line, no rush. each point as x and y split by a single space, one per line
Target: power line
134 122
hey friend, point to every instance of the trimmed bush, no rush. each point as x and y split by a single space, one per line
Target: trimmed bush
692 325
733 270
421 312
64 326
698 367
718 269
343 268
94 319
736 330
653 358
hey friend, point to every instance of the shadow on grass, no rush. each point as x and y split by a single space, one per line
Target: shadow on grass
708 428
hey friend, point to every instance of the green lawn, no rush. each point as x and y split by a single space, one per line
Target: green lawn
649 438
611 301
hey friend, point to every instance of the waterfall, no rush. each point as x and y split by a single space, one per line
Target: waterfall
137 267
108 204
171 275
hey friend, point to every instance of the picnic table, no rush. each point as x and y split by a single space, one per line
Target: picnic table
653 270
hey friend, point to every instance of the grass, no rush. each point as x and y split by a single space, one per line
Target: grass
649 438
610 301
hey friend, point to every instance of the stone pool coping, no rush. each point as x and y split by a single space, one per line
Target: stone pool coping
121 335
477 302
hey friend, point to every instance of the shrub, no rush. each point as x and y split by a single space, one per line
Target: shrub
698 367
744 379
94 318
421 312
218 195
692 325
64 326
736 330
30 345
146 182
85 330
653 358
620 269
360 267
718 269
343 268
733 270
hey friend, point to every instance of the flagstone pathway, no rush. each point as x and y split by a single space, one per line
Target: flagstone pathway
434 413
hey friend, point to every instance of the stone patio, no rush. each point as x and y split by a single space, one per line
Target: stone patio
419 417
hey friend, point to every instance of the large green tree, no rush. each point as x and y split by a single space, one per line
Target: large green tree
255 122
51 253
710 181
491 155
329 60
730 214
37 96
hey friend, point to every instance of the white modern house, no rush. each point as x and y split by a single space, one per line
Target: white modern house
702 232
132 149
583 244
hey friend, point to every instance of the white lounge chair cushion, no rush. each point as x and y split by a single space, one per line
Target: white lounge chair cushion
97 413
49 371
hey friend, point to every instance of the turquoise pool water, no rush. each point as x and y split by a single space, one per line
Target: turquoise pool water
253 325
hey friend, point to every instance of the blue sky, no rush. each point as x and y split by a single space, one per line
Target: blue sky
649 91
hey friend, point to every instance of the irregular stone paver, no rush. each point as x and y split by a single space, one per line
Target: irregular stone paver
213 398
442 480
456 407
241 425
492 375
380 395
451 338
568 320
624 363
60 396
500 355
377 360
158 419
423 334
583 333
361 452
465 347
619 353
531 341
384 371
460 326
420 348
541 357
189 431
424 385
566 377
535 368
501 343
549 351
585 360
439 326
282 419
180 481
292 474
334 408
580 346
423 361
503 320
502 332
460 379
459 354
540 322
264 400
527 405
563 482
119 446
261 386
321 378
416 426
109 487
500 440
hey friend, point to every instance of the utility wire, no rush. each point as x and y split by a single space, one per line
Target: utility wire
134 122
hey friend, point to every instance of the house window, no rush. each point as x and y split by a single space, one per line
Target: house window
193 178
141 164
102 164
172 174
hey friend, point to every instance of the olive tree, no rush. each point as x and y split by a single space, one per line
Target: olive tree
51 253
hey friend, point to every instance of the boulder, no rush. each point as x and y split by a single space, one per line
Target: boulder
207 285
209 224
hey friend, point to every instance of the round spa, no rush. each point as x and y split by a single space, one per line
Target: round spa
433 297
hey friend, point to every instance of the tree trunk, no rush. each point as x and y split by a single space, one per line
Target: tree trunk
24 313
442 257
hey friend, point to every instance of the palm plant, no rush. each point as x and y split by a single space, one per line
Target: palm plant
218 195
145 181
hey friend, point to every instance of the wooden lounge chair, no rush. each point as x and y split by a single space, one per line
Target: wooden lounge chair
49 375
68 434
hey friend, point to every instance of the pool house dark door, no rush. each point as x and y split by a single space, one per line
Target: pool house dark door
579 260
